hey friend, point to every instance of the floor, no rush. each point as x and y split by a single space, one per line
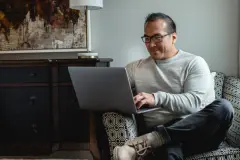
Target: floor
58 155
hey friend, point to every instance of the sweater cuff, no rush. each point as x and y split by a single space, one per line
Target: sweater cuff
160 98
156 99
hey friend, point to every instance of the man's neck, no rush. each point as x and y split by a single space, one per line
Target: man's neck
172 53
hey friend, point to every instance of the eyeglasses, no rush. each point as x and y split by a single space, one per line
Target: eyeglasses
155 38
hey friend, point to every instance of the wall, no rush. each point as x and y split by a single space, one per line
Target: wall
209 28
239 41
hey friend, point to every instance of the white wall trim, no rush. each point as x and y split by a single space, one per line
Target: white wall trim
89 42
44 51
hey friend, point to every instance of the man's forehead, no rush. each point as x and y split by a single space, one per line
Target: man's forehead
159 25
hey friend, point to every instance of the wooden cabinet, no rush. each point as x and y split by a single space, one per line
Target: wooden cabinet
25 113
71 117
39 108
24 74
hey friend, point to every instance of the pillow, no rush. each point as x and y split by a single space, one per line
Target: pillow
218 84
231 92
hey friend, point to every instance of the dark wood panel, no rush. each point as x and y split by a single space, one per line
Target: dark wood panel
63 74
102 64
26 113
39 108
24 74
74 122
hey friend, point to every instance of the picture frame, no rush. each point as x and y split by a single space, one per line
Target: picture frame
31 26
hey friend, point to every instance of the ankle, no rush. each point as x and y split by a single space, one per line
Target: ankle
162 134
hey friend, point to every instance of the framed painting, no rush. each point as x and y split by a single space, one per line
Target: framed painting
42 26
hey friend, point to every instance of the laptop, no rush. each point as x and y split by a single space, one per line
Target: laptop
105 89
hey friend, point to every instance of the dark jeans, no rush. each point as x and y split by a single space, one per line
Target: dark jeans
200 132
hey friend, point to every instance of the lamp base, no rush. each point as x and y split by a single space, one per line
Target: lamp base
87 55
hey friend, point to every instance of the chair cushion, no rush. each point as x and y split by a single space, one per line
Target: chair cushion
225 152
218 79
231 92
119 129
220 154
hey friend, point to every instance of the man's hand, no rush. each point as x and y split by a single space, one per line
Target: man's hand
144 98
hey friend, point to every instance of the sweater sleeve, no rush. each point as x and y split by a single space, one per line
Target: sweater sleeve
196 86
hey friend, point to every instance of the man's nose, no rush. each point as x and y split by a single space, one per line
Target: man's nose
152 43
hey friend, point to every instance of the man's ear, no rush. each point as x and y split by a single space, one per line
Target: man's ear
174 37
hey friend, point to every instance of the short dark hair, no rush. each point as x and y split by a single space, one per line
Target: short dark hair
171 26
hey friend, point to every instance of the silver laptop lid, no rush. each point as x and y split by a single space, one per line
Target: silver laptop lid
102 89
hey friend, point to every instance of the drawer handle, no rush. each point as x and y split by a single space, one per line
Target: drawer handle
32 100
34 128
32 75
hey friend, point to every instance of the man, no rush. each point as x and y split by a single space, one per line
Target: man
189 120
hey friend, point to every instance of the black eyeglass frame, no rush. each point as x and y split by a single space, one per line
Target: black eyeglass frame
156 37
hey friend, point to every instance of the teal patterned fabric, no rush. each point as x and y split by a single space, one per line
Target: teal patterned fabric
231 92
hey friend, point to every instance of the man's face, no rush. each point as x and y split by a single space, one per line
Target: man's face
161 42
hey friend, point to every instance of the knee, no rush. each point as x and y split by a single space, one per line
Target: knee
224 107
174 151
223 110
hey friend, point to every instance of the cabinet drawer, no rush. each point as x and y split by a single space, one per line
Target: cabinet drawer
64 74
74 122
25 113
24 74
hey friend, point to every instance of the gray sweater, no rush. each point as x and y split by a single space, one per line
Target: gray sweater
182 85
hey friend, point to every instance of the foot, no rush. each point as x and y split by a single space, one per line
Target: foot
152 139
124 153
139 147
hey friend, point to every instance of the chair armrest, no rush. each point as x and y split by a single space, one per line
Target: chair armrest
231 92
119 129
